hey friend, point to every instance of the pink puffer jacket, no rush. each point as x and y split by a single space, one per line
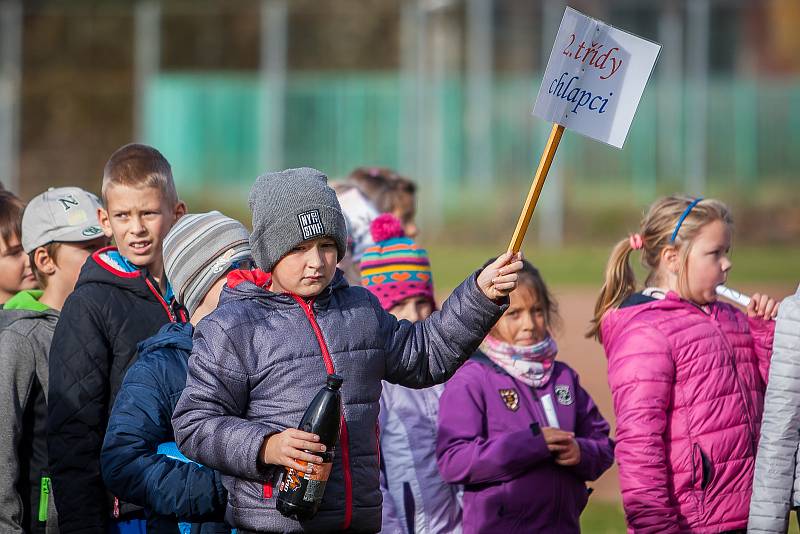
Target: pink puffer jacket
688 390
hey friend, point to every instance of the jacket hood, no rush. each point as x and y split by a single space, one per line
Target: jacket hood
614 321
98 269
25 305
172 335
27 300
255 284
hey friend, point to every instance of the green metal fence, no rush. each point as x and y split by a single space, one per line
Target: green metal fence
209 126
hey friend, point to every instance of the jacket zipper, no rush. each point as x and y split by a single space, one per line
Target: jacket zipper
172 319
163 302
740 387
343 436
742 392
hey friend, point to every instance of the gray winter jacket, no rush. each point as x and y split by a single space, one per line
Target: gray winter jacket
25 337
260 358
776 483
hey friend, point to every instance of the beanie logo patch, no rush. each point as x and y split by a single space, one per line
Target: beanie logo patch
221 263
310 224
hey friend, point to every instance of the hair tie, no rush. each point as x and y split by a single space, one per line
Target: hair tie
636 241
683 217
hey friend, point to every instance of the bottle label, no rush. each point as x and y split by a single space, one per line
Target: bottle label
292 480
316 481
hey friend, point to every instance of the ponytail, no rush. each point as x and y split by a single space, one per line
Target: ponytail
672 221
620 283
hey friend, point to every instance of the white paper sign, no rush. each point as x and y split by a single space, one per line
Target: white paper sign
595 78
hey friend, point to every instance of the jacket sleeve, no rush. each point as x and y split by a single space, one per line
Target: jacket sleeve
209 418
780 427
135 472
429 352
641 373
592 435
464 453
17 372
763 333
77 410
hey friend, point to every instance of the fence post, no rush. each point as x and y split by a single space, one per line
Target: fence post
10 95
551 209
480 168
146 60
698 14
274 37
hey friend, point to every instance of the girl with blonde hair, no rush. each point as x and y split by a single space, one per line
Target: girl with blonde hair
687 373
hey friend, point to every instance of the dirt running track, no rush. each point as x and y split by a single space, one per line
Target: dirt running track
587 357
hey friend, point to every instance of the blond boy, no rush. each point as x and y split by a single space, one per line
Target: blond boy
121 298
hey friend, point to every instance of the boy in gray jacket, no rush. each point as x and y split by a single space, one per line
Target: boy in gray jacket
59 231
259 359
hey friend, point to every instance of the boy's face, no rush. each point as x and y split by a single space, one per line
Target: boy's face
70 257
307 269
138 218
413 309
15 269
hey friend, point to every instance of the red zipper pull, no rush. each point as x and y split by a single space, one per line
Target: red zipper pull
116 508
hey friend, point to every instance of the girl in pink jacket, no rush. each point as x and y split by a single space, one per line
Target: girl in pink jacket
687 373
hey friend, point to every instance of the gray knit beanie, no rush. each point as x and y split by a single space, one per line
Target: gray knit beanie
199 250
290 207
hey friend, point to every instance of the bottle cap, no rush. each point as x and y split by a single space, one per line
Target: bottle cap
334 381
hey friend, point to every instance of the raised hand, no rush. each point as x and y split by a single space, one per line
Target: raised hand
499 278
762 306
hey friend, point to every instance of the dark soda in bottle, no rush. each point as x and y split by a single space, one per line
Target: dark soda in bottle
300 493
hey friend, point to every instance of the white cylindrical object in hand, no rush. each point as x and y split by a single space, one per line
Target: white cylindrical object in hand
735 296
550 411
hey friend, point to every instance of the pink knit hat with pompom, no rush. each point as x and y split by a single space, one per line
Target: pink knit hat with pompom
395 268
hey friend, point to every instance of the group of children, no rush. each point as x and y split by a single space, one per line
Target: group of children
157 385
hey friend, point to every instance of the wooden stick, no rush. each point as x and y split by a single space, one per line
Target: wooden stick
536 188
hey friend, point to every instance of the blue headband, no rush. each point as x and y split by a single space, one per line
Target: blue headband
683 217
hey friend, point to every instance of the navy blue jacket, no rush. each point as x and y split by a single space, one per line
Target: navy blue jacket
168 489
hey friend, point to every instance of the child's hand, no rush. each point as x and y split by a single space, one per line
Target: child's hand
571 455
762 306
557 440
563 445
287 447
499 278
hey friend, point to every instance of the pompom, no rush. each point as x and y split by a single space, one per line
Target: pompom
386 226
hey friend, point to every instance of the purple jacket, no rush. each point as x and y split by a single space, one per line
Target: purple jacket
485 441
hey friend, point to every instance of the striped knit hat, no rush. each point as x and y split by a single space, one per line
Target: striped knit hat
395 268
199 250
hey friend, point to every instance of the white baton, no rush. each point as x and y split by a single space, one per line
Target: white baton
735 296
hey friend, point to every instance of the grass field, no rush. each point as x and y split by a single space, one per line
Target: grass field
607 518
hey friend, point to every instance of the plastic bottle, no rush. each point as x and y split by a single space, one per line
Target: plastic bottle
300 493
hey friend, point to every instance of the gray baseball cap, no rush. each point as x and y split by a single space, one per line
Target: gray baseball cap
66 214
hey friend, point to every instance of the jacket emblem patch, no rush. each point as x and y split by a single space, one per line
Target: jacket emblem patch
511 398
564 395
